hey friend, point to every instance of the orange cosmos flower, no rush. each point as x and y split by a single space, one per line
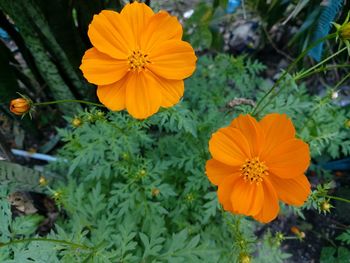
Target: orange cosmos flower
256 164
138 60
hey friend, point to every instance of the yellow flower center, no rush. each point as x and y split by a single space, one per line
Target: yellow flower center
253 170
137 61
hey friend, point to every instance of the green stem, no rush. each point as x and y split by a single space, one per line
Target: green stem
285 238
302 55
323 69
336 87
319 64
67 101
63 242
307 72
337 198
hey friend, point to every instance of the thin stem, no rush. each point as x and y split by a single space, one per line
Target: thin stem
285 238
63 242
303 54
322 69
336 87
320 63
67 101
307 71
337 198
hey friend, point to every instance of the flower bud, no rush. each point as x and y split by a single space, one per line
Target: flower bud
20 106
347 124
244 258
76 122
344 31
325 207
155 192
43 181
296 231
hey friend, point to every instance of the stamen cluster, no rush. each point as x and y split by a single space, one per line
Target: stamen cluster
137 61
253 170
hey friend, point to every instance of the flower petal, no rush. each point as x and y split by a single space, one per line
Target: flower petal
229 146
111 34
101 69
247 198
292 191
225 191
172 91
137 16
277 128
251 130
172 59
161 27
113 95
270 207
143 95
289 159
218 171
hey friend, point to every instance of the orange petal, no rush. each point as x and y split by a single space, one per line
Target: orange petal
251 130
218 171
172 59
110 34
143 95
225 191
161 27
113 95
229 146
137 15
101 69
172 91
289 159
277 128
270 207
247 198
292 191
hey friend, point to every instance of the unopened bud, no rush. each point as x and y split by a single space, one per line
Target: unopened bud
42 181
20 106
344 31
155 192
244 258
296 231
143 173
347 124
326 207
76 122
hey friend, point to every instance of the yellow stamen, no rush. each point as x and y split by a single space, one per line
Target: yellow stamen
253 170
137 61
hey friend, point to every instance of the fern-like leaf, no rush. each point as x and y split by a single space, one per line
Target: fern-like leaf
18 176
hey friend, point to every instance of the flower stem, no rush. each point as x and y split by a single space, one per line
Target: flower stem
336 87
63 242
67 101
337 198
323 69
290 67
318 64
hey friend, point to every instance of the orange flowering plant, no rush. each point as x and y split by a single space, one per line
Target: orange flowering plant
138 59
256 164
138 191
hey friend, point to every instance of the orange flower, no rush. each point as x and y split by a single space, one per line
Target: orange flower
138 60
256 164
20 106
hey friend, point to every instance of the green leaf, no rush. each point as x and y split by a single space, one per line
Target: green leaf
19 177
